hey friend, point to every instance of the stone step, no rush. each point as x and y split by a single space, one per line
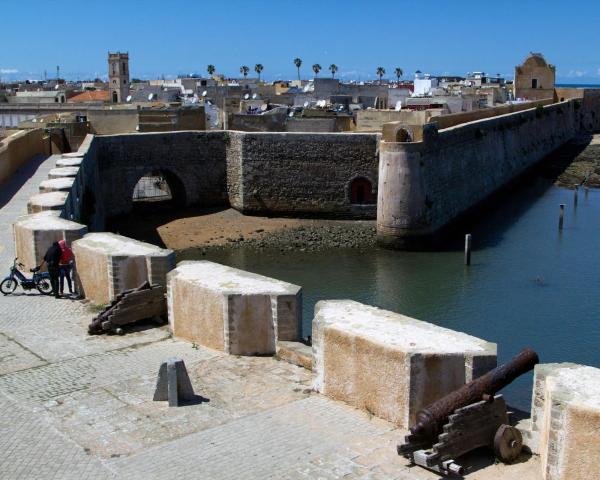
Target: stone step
295 353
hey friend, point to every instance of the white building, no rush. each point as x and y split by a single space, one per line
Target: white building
424 84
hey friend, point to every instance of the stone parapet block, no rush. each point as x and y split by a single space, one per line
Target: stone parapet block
63 184
565 421
47 201
389 364
63 172
108 264
69 162
34 233
231 310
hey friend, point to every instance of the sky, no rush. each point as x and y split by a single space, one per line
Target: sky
175 38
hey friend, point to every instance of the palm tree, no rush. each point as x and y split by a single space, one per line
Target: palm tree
244 70
316 69
333 68
210 69
380 73
398 73
298 63
258 68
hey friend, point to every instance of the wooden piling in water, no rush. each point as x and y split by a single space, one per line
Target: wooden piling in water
468 249
576 194
561 216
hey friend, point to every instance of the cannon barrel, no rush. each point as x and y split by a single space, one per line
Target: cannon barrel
430 420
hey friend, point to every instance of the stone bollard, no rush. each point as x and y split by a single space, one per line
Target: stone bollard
173 383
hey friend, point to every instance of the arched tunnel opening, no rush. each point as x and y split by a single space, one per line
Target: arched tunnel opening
157 198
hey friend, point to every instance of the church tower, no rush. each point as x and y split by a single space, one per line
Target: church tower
118 76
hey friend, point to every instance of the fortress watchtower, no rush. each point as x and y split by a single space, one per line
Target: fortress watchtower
118 76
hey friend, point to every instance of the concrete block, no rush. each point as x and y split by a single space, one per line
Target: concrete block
173 383
231 310
63 184
565 421
63 172
108 264
389 364
33 235
46 201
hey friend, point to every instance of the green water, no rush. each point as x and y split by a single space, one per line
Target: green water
528 284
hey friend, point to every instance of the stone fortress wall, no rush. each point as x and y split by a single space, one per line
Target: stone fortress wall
427 185
257 173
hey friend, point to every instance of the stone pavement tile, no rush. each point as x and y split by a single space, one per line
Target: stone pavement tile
32 449
13 357
121 419
56 379
255 446
57 329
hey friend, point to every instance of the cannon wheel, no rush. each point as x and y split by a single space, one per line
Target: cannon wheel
508 443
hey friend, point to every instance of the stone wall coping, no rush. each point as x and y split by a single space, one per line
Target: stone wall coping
217 277
118 245
396 330
47 220
49 199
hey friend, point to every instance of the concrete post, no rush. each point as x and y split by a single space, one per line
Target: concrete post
173 383
561 216
468 249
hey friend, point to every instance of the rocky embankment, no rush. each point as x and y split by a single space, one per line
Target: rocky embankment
580 160
304 238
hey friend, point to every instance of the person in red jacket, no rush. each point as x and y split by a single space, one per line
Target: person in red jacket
65 265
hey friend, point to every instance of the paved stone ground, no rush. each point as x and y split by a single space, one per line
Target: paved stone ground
75 406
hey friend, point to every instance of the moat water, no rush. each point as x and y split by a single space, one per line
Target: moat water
528 285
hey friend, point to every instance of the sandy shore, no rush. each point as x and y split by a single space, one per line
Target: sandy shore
227 228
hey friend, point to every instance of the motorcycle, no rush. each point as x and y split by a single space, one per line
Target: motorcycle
39 280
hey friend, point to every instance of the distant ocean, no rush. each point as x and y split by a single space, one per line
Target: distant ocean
578 85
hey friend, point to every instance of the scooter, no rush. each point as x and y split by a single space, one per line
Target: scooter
40 280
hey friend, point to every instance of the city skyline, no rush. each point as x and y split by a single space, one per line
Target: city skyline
440 39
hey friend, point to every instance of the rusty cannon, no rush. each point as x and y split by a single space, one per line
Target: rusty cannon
470 417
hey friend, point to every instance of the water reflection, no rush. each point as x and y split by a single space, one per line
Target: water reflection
528 284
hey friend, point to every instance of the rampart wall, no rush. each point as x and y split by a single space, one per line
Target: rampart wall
302 173
256 173
18 149
427 185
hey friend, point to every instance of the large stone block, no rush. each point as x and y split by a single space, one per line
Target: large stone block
232 310
565 421
108 264
47 201
61 172
389 364
63 184
35 233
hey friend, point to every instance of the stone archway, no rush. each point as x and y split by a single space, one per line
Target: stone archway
159 186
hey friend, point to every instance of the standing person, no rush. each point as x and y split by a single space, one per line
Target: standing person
65 265
52 260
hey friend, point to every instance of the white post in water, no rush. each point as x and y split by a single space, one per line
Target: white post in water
576 195
468 249
561 216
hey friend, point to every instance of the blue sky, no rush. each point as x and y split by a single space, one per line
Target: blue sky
171 38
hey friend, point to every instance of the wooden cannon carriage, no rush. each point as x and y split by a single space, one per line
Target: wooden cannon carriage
141 303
